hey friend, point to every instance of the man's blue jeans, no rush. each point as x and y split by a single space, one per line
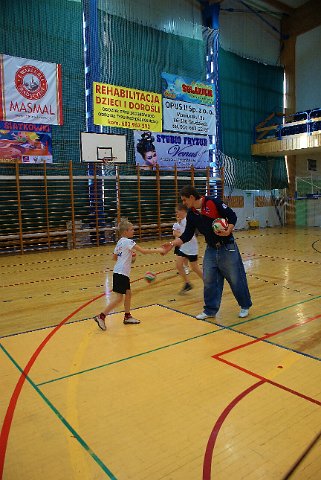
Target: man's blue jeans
224 262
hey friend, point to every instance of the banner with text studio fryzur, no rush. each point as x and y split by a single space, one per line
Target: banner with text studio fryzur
30 91
123 107
188 117
169 149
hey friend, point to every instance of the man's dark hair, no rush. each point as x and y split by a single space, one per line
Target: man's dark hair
189 190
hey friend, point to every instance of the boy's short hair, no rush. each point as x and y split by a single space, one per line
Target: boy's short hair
181 206
189 190
123 225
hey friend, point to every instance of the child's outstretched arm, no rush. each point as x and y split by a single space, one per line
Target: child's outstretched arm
145 251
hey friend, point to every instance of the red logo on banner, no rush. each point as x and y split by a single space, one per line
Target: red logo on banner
30 82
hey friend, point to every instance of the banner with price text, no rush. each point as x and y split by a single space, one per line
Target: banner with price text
123 107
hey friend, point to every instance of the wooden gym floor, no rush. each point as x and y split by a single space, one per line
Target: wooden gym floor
172 398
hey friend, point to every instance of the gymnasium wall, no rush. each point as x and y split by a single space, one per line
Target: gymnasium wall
248 34
51 31
308 94
136 45
308 70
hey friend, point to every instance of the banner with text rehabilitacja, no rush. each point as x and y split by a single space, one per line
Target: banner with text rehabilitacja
123 107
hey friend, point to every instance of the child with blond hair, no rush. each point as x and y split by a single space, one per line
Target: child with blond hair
124 254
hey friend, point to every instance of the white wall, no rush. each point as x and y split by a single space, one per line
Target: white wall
308 70
248 34
266 216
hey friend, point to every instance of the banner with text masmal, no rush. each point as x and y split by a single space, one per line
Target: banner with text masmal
169 149
30 91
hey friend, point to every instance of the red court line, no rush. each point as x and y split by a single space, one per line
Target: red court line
271 382
6 425
207 463
268 335
4 435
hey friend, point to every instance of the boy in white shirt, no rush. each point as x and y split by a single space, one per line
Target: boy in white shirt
188 250
124 254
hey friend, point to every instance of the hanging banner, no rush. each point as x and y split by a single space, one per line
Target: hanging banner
187 90
30 91
188 117
25 143
123 107
170 149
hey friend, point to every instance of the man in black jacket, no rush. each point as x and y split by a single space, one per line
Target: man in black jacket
222 259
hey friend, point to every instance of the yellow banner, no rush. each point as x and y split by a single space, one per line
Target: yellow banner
123 107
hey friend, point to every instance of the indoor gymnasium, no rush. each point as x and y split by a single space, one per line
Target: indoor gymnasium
160 242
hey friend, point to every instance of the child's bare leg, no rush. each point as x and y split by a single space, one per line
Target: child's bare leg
117 298
180 267
195 267
185 265
127 301
100 319
128 319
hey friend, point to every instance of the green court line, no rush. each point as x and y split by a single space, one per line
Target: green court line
61 418
131 357
220 327
274 311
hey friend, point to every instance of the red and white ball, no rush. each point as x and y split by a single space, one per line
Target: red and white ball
219 225
150 277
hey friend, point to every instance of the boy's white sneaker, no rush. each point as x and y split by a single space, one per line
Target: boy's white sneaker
244 312
131 321
100 322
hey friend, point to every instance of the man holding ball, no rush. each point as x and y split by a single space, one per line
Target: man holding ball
222 259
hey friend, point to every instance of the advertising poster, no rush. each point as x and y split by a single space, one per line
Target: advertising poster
25 143
30 91
188 117
168 149
187 90
116 106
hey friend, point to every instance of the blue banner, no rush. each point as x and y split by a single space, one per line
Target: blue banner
187 90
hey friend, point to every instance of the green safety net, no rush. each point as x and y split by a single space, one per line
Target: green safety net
249 92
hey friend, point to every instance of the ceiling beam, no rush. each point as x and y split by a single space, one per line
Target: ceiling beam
280 6
303 19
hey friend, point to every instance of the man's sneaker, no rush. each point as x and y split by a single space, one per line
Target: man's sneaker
244 312
187 287
100 322
131 321
186 270
204 316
